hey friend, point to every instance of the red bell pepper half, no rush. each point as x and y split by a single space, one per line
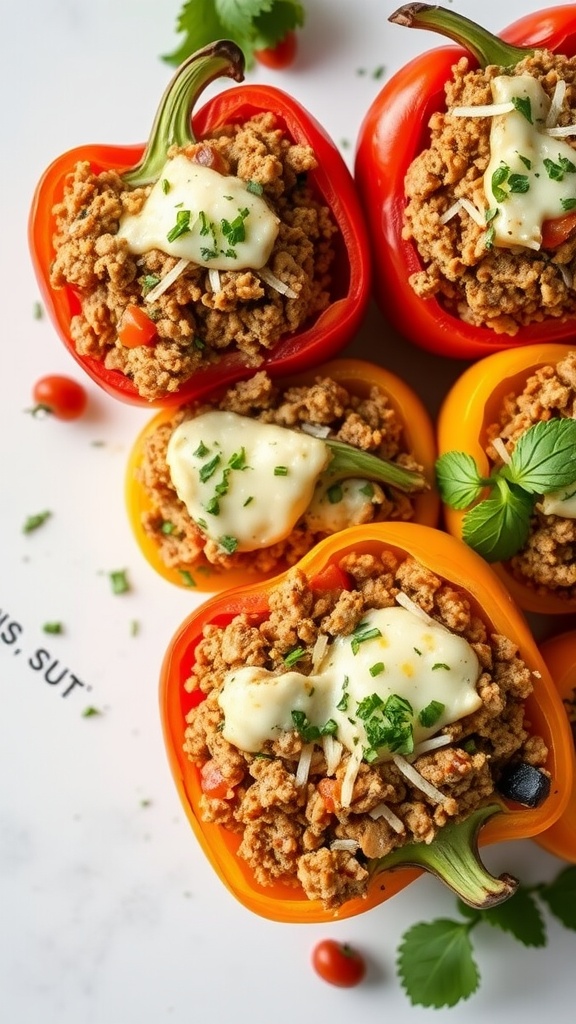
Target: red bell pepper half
175 124
395 131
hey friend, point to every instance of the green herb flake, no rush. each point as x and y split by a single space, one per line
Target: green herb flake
201 451
377 668
55 628
249 500
165 186
499 177
568 204
431 713
335 494
119 581
187 578
523 105
255 188
294 656
361 634
440 664
91 711
167 528
35 522
342 704
38 311
209 468
228 544
134 627
519 183
149 281
181 227
308 732
280 470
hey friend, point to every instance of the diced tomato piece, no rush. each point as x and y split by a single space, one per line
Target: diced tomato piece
332 577
136 328
329 790
213 782
557 231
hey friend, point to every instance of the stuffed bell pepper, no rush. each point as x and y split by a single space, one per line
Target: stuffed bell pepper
507 470
381 705
466 168
234 240
239 486
559 653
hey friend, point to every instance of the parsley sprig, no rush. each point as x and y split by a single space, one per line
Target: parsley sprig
252 24
435 959
497 526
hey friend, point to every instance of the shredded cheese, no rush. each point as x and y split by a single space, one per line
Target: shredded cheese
350 775
166 281
482 110
418 780
383 811
500 447
556 104
304 762
332 753
269 278
214 279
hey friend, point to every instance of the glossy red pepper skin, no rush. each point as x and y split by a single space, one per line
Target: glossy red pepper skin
474 402
559 653
359 378
393 133
333 182
452 561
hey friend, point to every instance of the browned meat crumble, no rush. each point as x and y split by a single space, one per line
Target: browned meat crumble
195 325
292 833
547 562
369 424
495 287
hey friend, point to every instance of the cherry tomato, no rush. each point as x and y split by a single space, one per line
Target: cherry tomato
338 963
61 396
279 56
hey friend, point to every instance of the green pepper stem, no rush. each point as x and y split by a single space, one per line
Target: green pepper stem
348 461
453 857
172 124
485 47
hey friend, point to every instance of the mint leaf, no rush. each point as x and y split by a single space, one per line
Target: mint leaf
544 458
560 895
435 963
520 916
498 526
458 479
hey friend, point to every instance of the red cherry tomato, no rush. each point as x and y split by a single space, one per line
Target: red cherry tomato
338 963
61 396
279 56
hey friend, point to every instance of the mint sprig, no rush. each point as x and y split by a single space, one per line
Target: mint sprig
497 526
435 959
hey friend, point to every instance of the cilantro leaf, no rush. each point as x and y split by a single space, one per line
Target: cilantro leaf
520 916
498 526
544 458
458 479
560 896
435 963
252 24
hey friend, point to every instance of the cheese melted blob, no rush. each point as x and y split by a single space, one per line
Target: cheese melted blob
561 502
413 659
244 480
202 201
541 164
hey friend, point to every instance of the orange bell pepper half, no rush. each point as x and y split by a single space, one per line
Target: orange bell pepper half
452 561
354 374
474 402
559 653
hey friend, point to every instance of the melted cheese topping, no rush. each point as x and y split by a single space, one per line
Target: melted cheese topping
245 483
348 503
196 213
400 655
531 176
561 502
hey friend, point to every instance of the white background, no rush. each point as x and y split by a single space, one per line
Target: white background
109 912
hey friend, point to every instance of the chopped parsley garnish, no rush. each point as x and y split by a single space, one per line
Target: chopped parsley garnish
53 627
234 231
293 656
187 578
309 732
228 543
255 188
181 227
201 451
440 664
165 186
119 581
335 494
209 468
149 281
431 713
377 668
557 169
361 634
523 105
342 704
280 470
388 724
167 528
35 521
568 204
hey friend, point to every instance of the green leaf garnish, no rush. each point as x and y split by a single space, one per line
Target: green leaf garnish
560 895
435 963
35 522
543 460
523 106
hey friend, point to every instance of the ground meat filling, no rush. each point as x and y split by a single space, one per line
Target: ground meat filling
370 424
547 562
480 284
299 833
196 325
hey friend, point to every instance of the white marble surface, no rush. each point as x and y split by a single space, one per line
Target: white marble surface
109 912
